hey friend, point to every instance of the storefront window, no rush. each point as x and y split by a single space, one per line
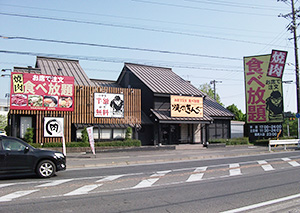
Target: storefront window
119 133
105 133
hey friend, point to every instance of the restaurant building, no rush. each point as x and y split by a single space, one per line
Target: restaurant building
173 110
57 99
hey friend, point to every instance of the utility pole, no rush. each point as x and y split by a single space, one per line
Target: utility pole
293 29
214 83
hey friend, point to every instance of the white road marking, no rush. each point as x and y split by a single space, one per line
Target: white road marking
17 194
266 166
234 169
254 206
150 181
7 184
55 183
83 190
291 162
198 174
110 178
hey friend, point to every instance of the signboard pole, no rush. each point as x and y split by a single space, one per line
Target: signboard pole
64 145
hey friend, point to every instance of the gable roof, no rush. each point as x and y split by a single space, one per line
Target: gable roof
64 67
161 80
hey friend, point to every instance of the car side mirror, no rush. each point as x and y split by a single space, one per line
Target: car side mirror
26 149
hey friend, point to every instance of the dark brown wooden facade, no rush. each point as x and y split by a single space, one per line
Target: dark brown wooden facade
83 113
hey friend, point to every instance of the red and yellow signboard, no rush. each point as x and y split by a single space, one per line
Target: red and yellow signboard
41 92
186 106
263 84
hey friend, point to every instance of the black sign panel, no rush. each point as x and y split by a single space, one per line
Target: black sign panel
264 130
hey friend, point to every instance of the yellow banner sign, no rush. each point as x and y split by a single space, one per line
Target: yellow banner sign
263 87
186 106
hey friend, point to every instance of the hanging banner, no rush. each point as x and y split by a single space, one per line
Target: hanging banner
263 87
41 92
91 139
108 105
186 106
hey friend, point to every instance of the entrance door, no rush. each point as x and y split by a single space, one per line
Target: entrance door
25 123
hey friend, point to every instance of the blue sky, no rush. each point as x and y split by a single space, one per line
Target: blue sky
205 40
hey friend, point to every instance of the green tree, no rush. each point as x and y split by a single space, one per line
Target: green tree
290 125
239 115
3 122
208 90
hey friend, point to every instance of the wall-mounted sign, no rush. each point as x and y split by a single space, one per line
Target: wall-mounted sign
108 105
41 92
263 86
186 106
53 127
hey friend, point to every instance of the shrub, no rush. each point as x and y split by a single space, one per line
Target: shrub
231 141
125 143
84 135
128 133
29 135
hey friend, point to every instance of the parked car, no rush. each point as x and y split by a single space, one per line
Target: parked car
17 156
2 132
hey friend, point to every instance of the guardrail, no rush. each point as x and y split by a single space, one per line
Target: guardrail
283 142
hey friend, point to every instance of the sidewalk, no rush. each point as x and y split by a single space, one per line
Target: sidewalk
148 155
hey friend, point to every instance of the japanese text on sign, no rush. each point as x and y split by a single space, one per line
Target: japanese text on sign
185 106
264 101
41 92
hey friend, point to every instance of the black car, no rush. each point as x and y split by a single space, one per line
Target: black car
16 156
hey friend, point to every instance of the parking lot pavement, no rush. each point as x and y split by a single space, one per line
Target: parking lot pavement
148 156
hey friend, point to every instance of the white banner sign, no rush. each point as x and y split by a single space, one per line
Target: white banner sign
53 127
91 138
108 105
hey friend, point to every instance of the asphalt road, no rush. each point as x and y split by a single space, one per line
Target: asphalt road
234 184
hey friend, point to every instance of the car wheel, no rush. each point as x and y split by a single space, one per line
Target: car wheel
45 169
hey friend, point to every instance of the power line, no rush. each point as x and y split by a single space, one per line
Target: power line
234 4
117 47
131 18
134 27
200 8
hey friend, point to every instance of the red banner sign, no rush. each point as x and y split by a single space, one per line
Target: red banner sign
41 92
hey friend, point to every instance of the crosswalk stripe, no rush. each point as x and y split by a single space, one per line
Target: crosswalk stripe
150 181
198 174
6 184
11 196
110 178
266 166
54 183
234 169
291 162
83 190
